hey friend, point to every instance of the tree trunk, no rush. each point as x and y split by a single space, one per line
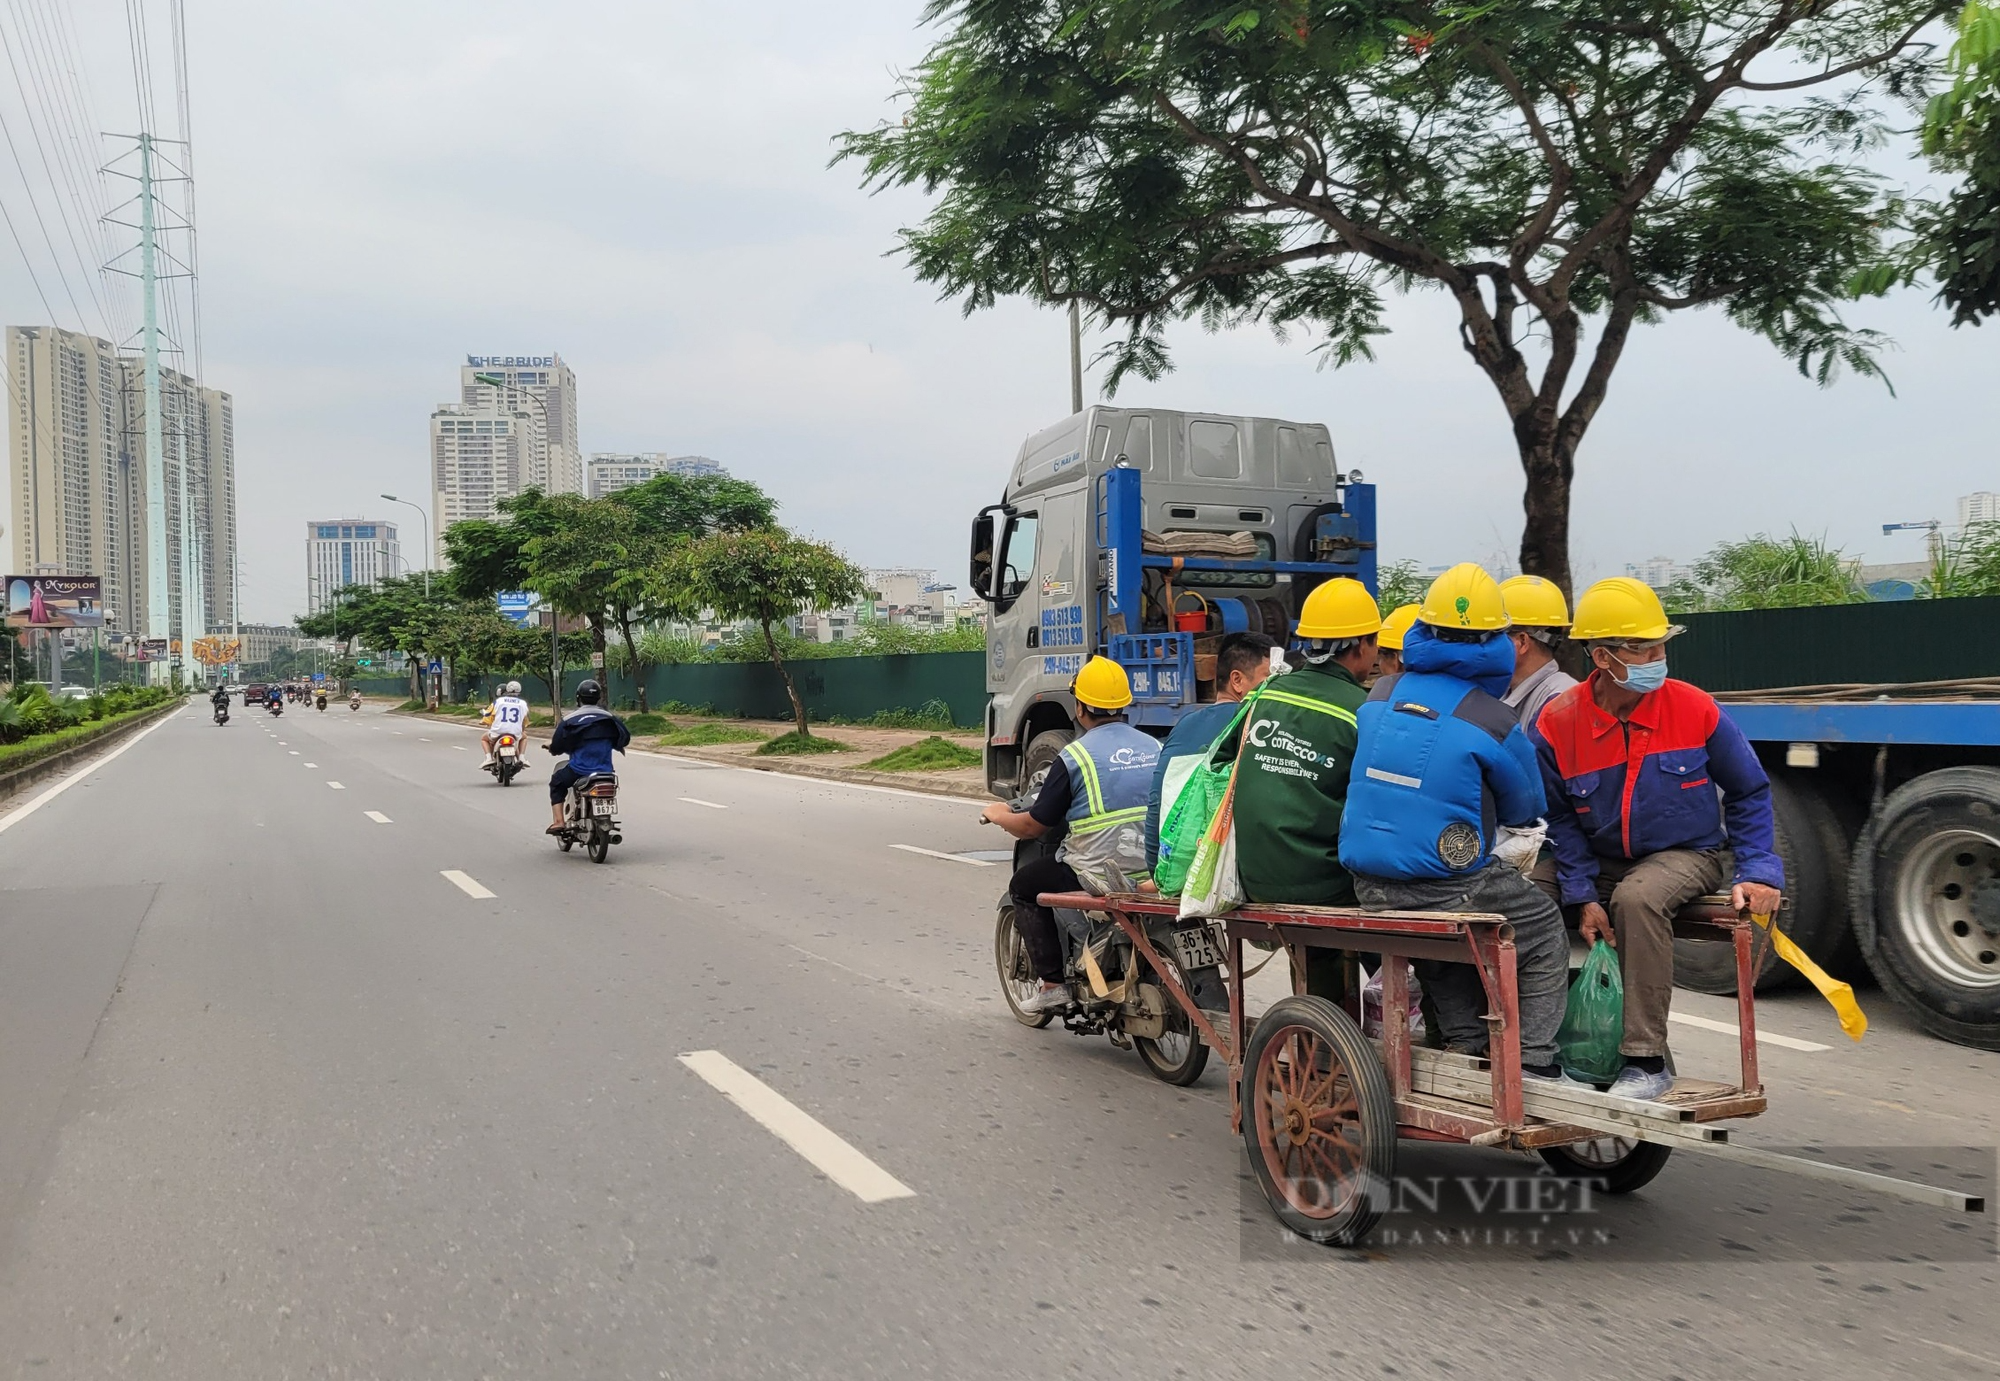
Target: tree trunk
798 705
599 667
632 653
1548 468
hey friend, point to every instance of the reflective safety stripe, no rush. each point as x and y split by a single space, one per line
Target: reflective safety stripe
1090 824
1086 770
1395 778
1306 703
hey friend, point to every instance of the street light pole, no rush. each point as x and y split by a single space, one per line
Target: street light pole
427 538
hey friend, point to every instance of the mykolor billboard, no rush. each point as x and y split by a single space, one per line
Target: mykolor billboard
55 601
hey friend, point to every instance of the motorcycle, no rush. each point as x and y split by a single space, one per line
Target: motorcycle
590 816
354 701
221 712
322 704
277 708
1113 991
506 764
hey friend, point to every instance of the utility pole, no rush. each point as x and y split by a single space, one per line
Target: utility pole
157 617
1075 359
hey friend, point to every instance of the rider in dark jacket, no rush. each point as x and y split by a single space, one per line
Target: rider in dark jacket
588 736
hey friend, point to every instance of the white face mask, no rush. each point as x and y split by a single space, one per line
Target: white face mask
1641 677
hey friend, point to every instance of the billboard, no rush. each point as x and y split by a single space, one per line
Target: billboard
55 601
517 606
217 652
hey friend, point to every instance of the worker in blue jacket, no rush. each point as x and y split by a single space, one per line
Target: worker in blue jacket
1441 765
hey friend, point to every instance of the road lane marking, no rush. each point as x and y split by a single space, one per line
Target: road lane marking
378 817
949 858
826 1151
465 884
422 739
459 746
309 764
697 801
20 813
1731 1029
336 786
295 752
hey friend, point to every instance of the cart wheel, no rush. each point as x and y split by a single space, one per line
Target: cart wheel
1621 1165
1179 1055
1318 1120
1017 976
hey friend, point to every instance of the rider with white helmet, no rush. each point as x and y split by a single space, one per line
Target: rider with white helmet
509 716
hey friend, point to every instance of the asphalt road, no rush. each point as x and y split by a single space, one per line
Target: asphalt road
282 1099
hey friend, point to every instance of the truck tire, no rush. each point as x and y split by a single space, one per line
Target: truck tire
1810 883
1925 892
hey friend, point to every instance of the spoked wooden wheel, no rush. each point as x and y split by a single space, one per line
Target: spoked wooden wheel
1318 1120
1017 973
1619 1164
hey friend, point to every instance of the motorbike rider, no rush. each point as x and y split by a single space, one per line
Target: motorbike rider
588 735
508 714
354 699
1099 785
277 699
320 699
221 698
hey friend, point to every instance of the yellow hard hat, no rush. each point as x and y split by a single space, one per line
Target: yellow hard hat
1465 597
1339 608
1102 685
1621 609
1534 602
1396 625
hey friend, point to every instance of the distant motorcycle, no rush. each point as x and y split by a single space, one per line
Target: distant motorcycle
354 701
222 712
506 764
277 707
322 702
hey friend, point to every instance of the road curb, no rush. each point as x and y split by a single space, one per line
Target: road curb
21 778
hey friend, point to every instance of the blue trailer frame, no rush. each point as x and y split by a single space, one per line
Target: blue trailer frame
1900 723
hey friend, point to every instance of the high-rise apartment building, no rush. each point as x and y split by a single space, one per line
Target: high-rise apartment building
543 389
347 551
479 456
76 477
1983 507
611 471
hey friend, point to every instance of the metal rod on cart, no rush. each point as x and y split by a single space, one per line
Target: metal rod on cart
1839 1174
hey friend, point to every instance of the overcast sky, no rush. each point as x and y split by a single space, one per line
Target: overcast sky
643 188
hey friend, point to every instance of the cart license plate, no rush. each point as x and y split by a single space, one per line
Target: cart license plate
600 807
1198 946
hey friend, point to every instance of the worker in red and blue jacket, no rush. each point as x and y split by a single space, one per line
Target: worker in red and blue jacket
1655 799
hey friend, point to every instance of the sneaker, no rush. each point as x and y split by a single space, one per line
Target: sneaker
1047 1000
1643 1084
1559 1079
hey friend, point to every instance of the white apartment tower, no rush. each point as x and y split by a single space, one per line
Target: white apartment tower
76 475
541 388
1983 507
347 551
479 456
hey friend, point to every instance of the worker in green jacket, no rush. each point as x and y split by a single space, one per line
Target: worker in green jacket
1295 751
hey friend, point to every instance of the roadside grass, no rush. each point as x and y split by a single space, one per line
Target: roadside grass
791 745
933 754
934 714
682 708
39 746
706 735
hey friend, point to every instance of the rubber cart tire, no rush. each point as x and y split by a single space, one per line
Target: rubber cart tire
1318 1121
1621 1166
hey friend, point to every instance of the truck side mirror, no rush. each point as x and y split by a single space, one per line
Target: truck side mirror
989 534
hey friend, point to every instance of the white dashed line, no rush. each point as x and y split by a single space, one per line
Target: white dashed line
295 752
697 801
827 1152
1731 1029
459 746
378 817
465 884
949 858
311 764
336 786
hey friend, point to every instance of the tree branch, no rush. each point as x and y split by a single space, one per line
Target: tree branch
1874 60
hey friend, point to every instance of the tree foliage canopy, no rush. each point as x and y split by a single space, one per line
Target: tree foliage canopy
1562 169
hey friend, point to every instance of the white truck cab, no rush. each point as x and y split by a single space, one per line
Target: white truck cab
1072 563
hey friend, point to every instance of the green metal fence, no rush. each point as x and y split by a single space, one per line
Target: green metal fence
1904 640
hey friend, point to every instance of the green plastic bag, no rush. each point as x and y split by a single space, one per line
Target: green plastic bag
1594 1021
1188 814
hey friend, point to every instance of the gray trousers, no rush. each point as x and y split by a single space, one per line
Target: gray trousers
1541 954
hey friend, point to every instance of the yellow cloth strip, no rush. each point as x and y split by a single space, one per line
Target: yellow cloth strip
1852 1019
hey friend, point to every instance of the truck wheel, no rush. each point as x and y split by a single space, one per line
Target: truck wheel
1926 900
1708 967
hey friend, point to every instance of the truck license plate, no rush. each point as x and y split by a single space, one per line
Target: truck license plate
1198 946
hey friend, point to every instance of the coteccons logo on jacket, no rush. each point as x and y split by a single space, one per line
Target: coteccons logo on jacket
1279 750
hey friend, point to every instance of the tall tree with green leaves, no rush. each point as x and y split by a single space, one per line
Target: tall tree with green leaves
764 575
1563 170
1765 572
